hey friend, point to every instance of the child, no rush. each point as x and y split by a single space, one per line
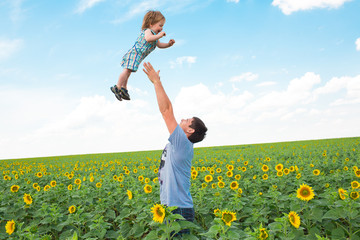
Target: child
151 32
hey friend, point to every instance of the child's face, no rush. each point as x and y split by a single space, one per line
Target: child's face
157 27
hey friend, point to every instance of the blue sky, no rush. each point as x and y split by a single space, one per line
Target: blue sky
254 71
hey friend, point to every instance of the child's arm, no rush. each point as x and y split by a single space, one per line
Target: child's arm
165 45
149 37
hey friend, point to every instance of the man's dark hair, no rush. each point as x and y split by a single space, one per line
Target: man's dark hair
200 130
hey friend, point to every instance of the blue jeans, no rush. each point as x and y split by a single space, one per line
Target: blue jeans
188 214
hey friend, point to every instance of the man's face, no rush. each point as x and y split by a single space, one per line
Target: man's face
185 125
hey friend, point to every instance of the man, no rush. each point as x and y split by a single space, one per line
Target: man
175 167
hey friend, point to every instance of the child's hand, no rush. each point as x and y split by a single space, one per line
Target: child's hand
171 42
162 34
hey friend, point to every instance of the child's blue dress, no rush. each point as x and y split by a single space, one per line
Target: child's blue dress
138 52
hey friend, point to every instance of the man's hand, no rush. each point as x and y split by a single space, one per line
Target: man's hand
150 72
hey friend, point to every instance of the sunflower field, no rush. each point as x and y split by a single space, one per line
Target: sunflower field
289 190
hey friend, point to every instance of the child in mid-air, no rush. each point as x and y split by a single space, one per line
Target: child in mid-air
151 32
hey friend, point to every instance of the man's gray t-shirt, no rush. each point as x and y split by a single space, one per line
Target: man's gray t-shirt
175 171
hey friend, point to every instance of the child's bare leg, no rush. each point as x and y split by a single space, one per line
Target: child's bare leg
123 78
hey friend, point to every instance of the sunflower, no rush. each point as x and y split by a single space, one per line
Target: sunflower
234 185
39 174
346 168
53 183
342 193
279 167
229 173
72 209
292 168
219 178
120 179
15 188
221 184
218 170
213 185
279 173
208 178
10 227
316 172
141 178
27 199
357 173
286 171
135 170
254 177
46 188
246 163
355 184
228 217
77 181
148 188
305 192
240 191
6 177
129 193
230 167
265 168
265 177
243 169
217 212
35 185
155 180
92 179
263 234
294 219
70 187
157 170
158 213
354 195
298 176
237 176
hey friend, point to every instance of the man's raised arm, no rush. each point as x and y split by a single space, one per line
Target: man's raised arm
163 100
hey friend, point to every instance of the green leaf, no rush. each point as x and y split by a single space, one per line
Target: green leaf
338 233
331 214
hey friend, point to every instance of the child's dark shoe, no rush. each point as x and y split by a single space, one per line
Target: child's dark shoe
115 90
124 94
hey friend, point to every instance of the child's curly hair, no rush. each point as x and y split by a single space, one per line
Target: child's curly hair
151 18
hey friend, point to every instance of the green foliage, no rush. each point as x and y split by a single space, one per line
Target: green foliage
262 205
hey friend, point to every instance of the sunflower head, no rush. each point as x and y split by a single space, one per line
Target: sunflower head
294 219
72 209
208 178
265 176
15 188
355 184
234 185
53 183
217 212
221 184
354 195
263 234
10 227
279 167
148 188
305 192
27 199
316 172
228 217
265 168
158 213
129 193
342 193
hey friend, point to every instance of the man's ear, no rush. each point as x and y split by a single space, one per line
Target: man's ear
191 130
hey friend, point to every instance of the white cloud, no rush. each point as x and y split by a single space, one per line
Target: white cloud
181 60
290 6
9 47
266 84
94 124
297 92
86 4
248 76
234 1
357 43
